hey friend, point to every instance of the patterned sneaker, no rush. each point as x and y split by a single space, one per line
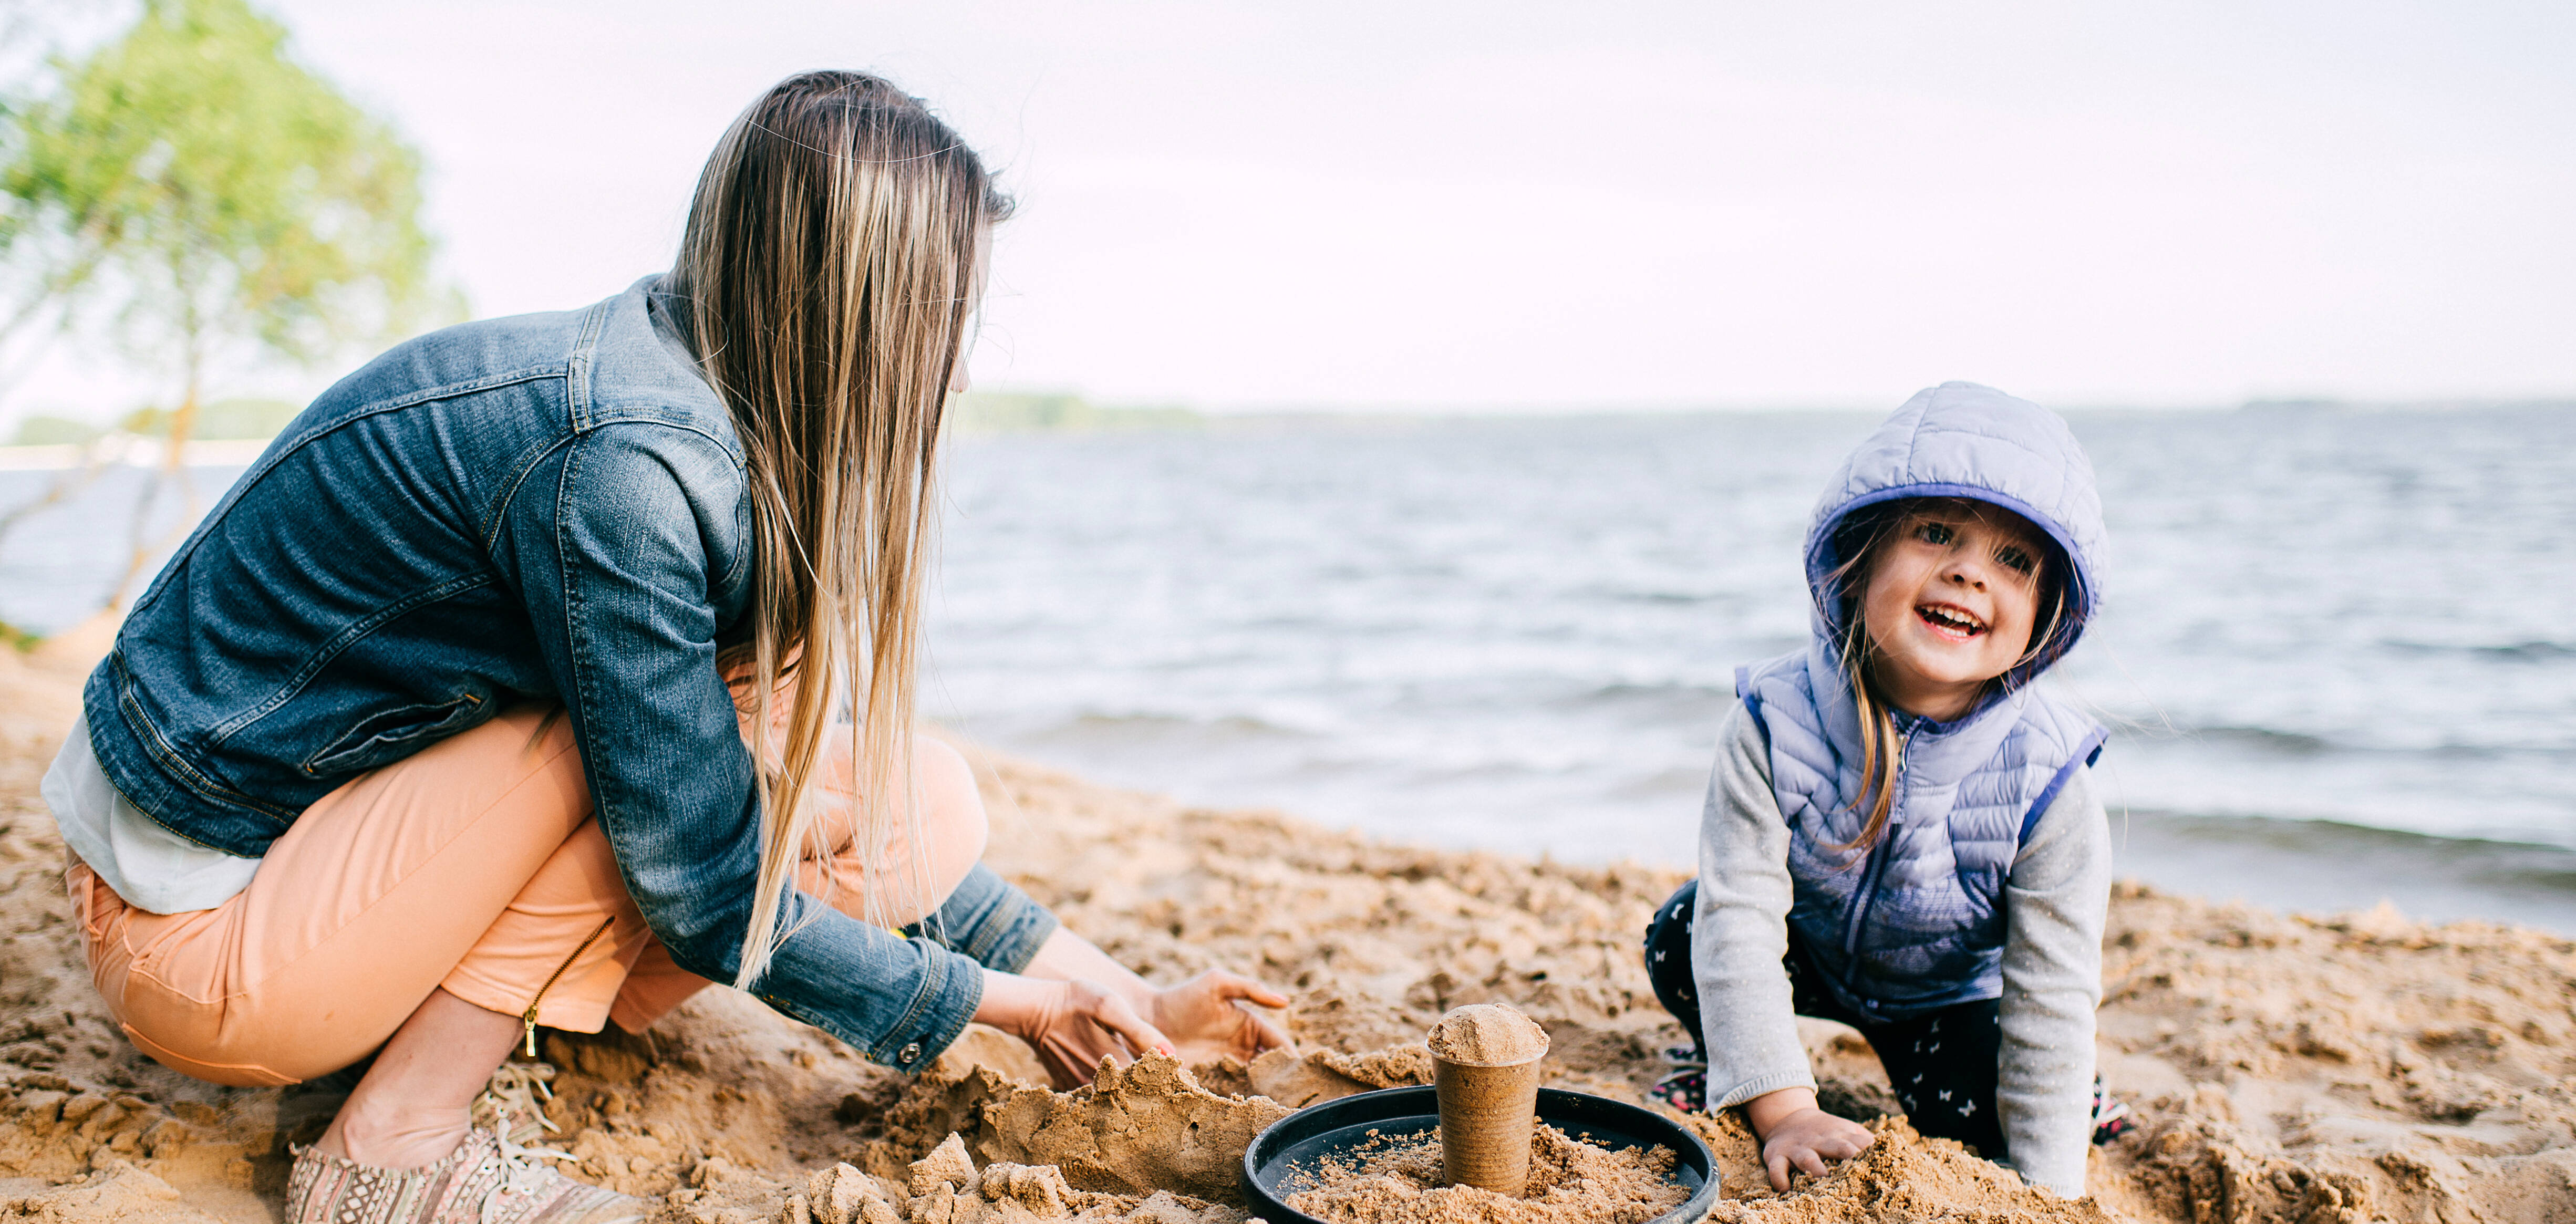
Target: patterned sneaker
1685 1087
1685 1090
2111 1119
486 1180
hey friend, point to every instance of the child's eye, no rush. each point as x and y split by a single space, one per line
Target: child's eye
2016 560
1935 533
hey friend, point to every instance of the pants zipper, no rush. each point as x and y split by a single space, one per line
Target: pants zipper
529 1017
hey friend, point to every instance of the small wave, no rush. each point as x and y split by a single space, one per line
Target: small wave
1626 693
2514 652
2527 863
1684 598
1230 724
2273 742
2262 739
2325 866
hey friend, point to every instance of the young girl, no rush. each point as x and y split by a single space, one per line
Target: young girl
1900 834
549 668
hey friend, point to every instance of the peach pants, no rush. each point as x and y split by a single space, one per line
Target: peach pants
473 866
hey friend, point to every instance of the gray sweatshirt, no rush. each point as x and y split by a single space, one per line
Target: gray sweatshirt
2059 894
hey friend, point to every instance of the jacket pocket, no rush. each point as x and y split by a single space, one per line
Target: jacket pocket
381 739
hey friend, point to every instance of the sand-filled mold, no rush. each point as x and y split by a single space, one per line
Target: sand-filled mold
1487 1035
1397 1179
2285 1068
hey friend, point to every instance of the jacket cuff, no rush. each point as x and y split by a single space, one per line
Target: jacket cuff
950 988
1749 1089
990 919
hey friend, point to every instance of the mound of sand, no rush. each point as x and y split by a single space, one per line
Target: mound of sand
2285 1068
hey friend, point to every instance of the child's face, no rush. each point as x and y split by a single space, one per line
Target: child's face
1949 605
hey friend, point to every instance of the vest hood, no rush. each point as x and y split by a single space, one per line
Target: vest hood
1964 440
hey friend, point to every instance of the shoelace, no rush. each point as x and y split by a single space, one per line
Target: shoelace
521 1174
515 1099
510 1106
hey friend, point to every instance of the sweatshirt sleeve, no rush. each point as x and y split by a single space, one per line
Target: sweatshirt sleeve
2059 896
1740 931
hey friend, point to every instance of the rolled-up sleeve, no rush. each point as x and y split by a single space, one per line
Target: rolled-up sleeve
612 544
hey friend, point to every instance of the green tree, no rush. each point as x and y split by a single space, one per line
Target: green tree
206 198
46 253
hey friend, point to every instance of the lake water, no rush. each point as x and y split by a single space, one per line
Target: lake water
2338 651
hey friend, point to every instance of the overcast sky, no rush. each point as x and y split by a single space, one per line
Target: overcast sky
1515 205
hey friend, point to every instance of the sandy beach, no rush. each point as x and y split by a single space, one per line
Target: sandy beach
2284 1068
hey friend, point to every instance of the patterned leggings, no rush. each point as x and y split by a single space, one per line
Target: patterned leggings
1942 1064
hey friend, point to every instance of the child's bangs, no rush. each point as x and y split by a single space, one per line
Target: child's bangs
1865 529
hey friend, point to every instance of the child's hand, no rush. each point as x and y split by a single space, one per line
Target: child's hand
1796 1134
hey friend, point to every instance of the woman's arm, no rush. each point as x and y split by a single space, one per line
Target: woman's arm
2057 899
1739 935
620 544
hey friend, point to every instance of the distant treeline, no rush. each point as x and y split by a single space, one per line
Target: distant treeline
995 412
977 412
222 420
984 412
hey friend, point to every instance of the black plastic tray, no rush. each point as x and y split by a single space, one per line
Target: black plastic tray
1336 1127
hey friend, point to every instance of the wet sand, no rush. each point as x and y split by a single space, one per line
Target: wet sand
2285 1068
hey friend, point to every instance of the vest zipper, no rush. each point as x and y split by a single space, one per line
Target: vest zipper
529 1017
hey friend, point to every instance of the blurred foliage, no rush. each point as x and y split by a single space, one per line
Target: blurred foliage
205 197
205 189
40 264
983 412
54 431
238 419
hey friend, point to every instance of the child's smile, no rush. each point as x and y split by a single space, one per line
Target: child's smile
1950 620
1949 605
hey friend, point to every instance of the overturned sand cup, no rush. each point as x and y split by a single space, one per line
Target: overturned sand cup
1485 1068
1486 1115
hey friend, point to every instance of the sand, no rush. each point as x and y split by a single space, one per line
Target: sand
1487 1035
2285 1068
1396 1179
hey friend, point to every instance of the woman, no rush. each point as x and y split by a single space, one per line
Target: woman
548 668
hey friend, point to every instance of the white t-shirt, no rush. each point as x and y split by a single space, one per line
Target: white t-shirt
154 869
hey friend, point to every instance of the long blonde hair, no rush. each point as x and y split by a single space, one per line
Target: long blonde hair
827 275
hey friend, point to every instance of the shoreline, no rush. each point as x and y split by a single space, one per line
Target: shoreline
2304 1068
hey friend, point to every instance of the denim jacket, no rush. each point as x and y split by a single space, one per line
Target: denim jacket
547 507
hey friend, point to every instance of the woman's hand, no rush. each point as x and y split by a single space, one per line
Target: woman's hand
1798 1136
1198 1021
1072 1024
1206 1020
